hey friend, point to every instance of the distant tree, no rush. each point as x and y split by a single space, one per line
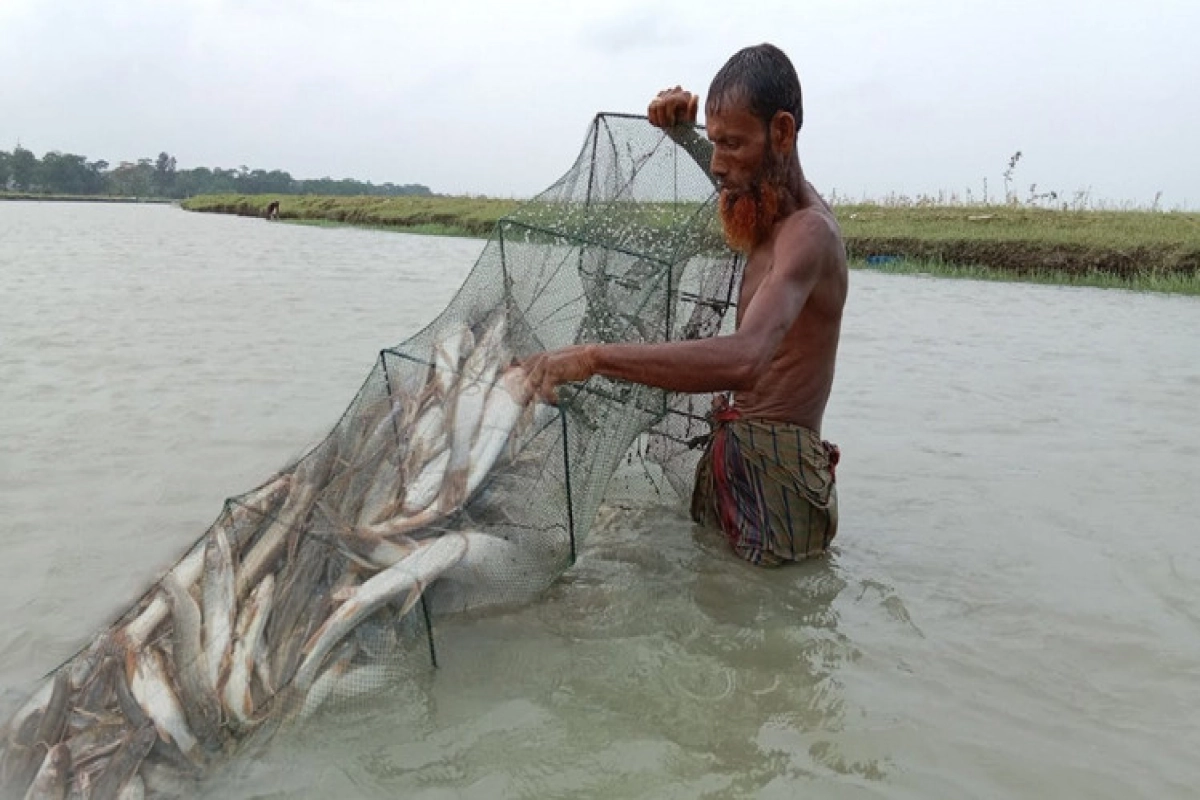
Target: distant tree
164 175
132 180
66 173
23 165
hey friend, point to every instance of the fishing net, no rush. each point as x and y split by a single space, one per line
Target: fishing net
444 487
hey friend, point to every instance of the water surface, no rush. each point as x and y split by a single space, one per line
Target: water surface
1010 608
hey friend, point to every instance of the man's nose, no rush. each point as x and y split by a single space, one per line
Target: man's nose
717 167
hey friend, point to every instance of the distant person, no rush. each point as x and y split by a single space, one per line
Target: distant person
766 478
273 210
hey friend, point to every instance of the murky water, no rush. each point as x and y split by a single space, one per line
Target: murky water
1011 609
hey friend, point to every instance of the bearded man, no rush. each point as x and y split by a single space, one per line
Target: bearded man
766 478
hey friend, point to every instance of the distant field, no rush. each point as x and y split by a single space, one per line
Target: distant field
1150 250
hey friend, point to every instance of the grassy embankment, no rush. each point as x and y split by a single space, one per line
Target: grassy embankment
1146 250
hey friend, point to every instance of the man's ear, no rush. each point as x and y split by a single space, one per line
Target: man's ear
783 132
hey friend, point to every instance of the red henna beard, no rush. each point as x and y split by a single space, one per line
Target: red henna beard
748 215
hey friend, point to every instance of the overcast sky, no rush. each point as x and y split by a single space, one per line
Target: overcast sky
901 96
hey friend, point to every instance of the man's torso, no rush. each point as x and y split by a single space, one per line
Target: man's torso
797 384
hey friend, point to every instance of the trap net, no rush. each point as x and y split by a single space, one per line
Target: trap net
444 487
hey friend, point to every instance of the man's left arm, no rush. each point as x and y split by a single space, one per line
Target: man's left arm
721 363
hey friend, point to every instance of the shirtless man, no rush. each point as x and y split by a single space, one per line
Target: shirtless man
766 478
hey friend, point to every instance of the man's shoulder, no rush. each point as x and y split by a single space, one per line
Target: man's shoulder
811 234
815 223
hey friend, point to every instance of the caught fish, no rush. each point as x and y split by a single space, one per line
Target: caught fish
150 686
428 433
382 493
489 352
502 409
448 356
409 575
374 551
198 693
186 572
220 604
469 409
257 505
268 547
251 623
53 776
424 488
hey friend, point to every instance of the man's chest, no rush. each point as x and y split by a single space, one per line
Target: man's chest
752 278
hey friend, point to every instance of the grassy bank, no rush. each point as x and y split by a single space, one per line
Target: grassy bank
454 216
1170 283
1151 250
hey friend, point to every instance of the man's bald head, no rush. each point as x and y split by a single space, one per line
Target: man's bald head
760 79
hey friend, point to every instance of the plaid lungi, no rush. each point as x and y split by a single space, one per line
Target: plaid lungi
769 486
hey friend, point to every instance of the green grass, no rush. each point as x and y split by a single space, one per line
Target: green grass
461 216
1115 229
1177 283
429 229
1134 248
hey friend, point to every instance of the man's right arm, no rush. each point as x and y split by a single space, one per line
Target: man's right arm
697 146
674 110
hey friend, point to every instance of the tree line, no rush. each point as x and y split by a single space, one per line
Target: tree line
69 174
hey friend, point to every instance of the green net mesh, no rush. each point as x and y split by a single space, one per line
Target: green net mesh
442 488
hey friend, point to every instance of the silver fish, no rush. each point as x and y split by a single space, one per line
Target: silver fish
489 352
382 493
426 486
474 449
374 552
409 575
469 409
502 411
428 433
251 622
255 506
150 686
198 693
266 550
448 356
220 604
186 572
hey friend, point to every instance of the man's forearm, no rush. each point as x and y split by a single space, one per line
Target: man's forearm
704 365
697 146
